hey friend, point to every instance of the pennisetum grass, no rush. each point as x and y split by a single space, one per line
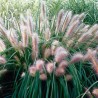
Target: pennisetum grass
51 62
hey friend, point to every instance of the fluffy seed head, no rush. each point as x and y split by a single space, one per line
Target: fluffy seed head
74 18
54 45
47 52
47 34
13 37
32 70
43 8
84 37
50 67
66 21
35 40
63 64
72 28
60 56
59 49
43 76
60 15
24 36
76 58
39 64
59 71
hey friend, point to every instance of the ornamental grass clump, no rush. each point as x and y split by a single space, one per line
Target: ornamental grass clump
50 62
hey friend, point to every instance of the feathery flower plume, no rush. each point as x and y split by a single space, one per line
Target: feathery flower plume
30 25
60 49
84 37
32 70
47 52
74 18
66 21
93 29
54 45
2 45
63 64
35 41
85 29
2 60
94 60
76 57
72 28
59 71
24 36
96 35
61 56
43 9
60 15
87 56
13 37
47 34
50 67
95 92
82 16
43 76
39 64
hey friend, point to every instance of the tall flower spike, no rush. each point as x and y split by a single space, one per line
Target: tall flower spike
24 36
66 21
54 45
85 29
82 16
74 18
35 41
43 9
13 37
77 57
84 37
2 45
30 25
47 34
72 28
93 29
2 60
47 53
60 15
60 54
